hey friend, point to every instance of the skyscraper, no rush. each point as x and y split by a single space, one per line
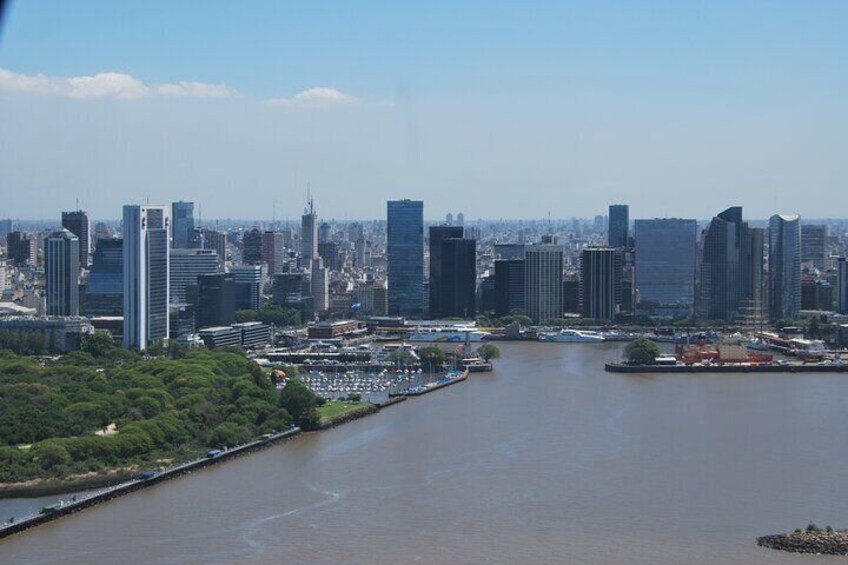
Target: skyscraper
600 282
248 279
813 239
182 215
842 286
215 304
405 256
784 266
543 281
457 282
437 235
273 251
320 286
252 247
509 286
22 249
619 225
146 275
79 224
104 291
723 267
665 266
308 235
62 270
185 266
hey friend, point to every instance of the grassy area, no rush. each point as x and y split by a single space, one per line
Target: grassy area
333 410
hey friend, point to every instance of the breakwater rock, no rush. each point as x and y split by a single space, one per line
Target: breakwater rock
819 542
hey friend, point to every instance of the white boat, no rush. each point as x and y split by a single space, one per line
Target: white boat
457 334
571 336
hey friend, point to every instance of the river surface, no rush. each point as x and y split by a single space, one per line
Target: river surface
547 460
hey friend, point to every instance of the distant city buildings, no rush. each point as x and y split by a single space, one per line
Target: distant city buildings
146 275
185 266
784 266
405 256
813 245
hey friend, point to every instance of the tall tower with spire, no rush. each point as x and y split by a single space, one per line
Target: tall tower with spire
309 233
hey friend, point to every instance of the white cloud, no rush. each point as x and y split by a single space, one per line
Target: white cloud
317 97
107 85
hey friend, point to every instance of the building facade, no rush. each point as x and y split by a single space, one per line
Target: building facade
438 234
104 290
405 257
182 216
146 275
665 266
619 225
62 273
185 266
79 224
784 266
543 282
509 287
600 282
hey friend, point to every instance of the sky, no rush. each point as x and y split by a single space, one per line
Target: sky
496 109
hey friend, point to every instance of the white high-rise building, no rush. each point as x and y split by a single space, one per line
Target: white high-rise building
146 275
308 235
543 281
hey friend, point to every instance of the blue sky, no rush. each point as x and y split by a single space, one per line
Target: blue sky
493 108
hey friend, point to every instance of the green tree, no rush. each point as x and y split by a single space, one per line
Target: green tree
229 434
52 455
98 344
242 316
642 352
279 316
432 357
301 403
489 351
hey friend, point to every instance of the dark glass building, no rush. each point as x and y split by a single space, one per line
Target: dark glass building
437 235
784 266
104 292
182 216
62 273
600 282
215 300
79 224
252 247
329 252
665 266
619 225
458 278
405 257
509 287
723 273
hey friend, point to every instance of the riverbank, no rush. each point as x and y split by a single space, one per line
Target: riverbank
729 368
344 414
56 511
817 542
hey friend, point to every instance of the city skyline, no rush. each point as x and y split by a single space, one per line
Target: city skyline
579 104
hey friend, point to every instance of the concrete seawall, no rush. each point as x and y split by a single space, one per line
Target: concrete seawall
132 486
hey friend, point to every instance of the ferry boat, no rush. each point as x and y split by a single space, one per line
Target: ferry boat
454 334
571 336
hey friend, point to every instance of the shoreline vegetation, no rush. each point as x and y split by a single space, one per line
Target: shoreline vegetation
813 540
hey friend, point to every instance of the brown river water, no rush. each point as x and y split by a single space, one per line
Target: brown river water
549 459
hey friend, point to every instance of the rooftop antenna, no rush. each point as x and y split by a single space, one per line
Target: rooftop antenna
309 198
78 203
273 214
199 214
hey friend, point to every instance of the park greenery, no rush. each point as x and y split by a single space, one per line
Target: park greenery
642 352
145 409
432 358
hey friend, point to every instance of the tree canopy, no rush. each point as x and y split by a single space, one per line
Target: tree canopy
642 352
